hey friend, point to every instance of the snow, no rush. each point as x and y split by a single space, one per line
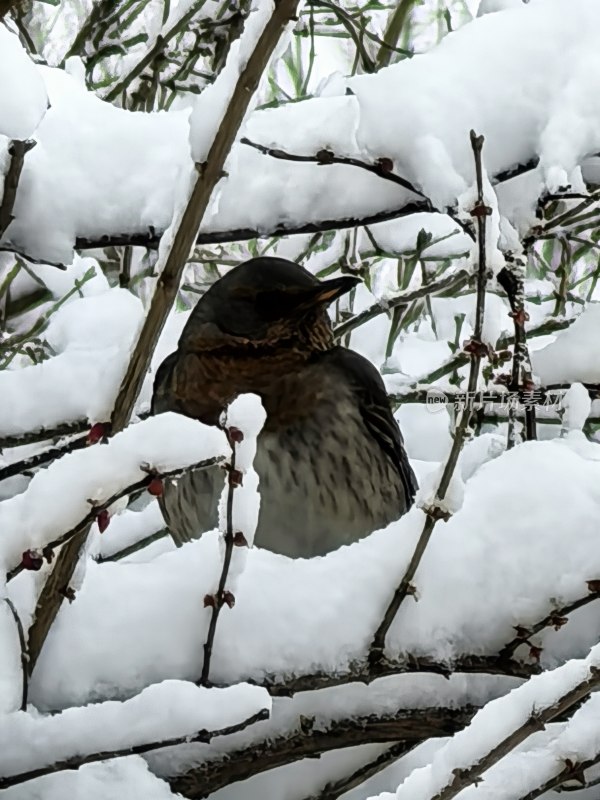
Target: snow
23 98
501 557
430 103
577 405
59 497
92 337
494 723
212 103
109 186
164 711
244 418
569 358
110 780
129 528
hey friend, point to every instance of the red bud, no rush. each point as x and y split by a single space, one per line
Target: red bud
155 487
32 559
103 520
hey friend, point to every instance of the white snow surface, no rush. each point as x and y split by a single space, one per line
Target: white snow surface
109 780
23 99
497 563
471 80
212 103
91 337
170 709
59 497
569 358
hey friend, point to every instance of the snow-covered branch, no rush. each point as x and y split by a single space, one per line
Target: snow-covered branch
97 477
500 727
164 715
428 124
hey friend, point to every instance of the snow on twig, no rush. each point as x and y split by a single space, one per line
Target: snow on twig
161 716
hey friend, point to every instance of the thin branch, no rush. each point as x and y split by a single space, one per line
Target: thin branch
40 459
332 791
218 600
44 434
24 653
435 511
17 151
452 281
151 238
135 547
74 762
570 771
512 280
381 168
556 618
96 508
536 722
209 174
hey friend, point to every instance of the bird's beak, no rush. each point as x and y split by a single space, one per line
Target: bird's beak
330 290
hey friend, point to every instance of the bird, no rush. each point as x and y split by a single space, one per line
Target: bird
330 458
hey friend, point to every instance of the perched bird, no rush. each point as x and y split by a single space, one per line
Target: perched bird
330 459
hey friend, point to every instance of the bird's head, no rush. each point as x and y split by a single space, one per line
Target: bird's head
262 302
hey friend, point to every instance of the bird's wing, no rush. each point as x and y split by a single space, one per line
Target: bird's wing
376 411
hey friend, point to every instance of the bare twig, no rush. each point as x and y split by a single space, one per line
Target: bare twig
454 281
74 762
209 174
135 547
512 280
44 434
396 22
536 722
40 459
380 168
17 150
24 653
96 508
556 619
221 598
435 511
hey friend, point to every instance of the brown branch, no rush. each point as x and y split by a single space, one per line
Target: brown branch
218 600
453 281
536 722
44 434
435 511
74 762
512 280
40 459
209 174
17 151
334 790
365 672
556 618
86 521
382 168
135 547
24 653
310 740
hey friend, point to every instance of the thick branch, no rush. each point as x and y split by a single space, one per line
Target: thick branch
17 151
165 293
408 725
